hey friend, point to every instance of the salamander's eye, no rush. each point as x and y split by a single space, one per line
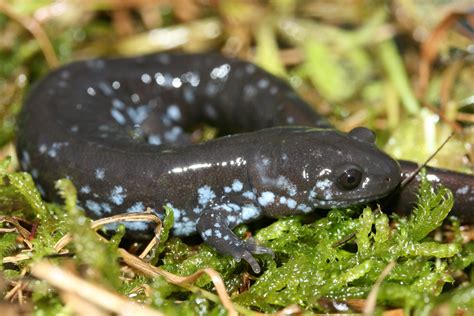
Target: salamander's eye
349 179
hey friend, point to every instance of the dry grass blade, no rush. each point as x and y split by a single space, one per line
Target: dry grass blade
150 270
23 232
369 308
34 27
74 285
135 217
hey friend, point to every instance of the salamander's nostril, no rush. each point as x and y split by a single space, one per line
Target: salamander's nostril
388 179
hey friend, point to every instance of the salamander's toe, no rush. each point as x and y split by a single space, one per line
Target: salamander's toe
247 256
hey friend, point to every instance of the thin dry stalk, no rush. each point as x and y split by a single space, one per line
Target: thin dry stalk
68 282
370 303
153 271
35 28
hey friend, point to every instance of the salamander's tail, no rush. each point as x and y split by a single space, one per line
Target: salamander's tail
461 184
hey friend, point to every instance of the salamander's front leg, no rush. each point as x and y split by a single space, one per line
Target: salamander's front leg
213 226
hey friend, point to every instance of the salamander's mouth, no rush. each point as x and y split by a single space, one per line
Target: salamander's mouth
331 203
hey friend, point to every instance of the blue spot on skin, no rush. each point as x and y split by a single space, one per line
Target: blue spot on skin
136 208
94 207
249 195
266 198
304 208
173 112
117 195
154 140
106 207
85 189
237 186
291 203
100 173
118 116
249 211
227 189
205 194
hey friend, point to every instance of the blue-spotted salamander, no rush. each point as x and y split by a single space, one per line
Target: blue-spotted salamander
118 129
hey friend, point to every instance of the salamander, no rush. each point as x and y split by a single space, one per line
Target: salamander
119 129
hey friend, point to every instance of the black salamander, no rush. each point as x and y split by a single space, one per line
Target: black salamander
117 129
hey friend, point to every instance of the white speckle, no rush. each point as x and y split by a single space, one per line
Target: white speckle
91 91
100 173
266 161
273 90
227 189
250 69
282 200
220 72
211 89
249 211
290 119
197 210
34 173
116 85
237 186
135 98
323 184
118 104
53 150
250 91
146 78
154 139
217 225
74 128
184 228
25 160
117 195
210 111
207 232
118 116
217 233
176 82
205 194
85 189
164 59
226 237
173 112
266 198
159 79
188 95
463 190
42 148
249 195
136 208
263 83
432 178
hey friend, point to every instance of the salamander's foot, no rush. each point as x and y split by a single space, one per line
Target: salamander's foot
215 232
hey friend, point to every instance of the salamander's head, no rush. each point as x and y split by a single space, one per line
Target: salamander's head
351 170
